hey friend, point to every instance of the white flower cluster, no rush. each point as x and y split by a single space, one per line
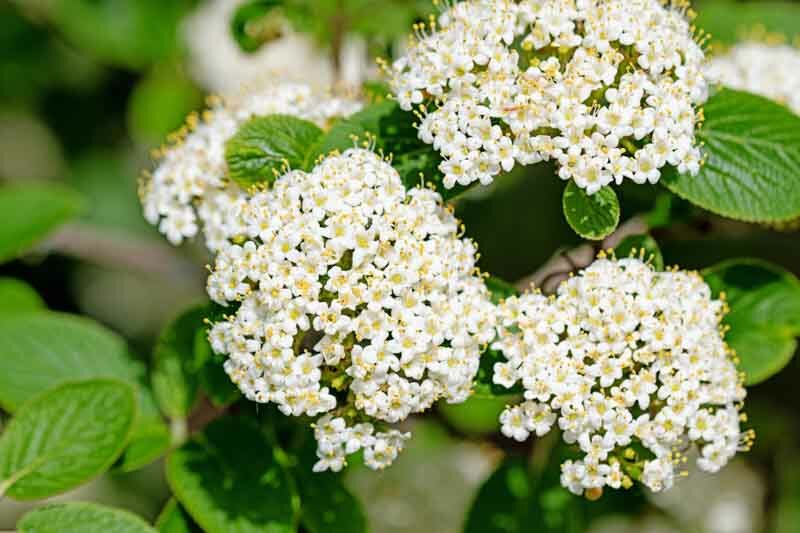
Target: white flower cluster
608 89
773 71
355 298
190 181
623 358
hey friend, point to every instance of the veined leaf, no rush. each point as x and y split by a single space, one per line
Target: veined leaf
729 22
65 437
228 479
752 171
326 505
174 376
30 213
45 349
594 216
764 315
79 517
263 146
18 297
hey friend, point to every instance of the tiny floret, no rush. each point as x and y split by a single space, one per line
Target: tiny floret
356 303
189 191
631 366
609 90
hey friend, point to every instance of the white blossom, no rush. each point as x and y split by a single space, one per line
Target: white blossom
623 355
770 70
609 90
353 299
189 191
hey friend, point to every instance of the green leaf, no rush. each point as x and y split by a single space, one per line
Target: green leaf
522 498
18 297
107 180
382 23
729 22
345 133
65 437
593 217
127 33
644 247
263 146
764 315
762 350
43 350
30 213
751 173
150 440
79 517
158 105
173 519
500 289
251 25
326 505
228 479
174 376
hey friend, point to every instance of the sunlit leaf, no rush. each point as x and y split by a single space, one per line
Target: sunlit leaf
764 315
752 171
65 437
80 517
30 213
592 216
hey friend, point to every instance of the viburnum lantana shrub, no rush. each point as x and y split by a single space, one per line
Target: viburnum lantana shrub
345 298
610 90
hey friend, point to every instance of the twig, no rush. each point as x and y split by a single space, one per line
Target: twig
559 267
203 415
125 252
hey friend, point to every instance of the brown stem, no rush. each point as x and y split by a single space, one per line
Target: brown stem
203 415
559 267
125 252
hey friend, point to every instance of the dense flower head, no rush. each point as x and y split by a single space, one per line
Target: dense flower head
356 300
189 187
630 364
770 70
608 89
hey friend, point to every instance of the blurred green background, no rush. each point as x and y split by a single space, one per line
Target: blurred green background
89 87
